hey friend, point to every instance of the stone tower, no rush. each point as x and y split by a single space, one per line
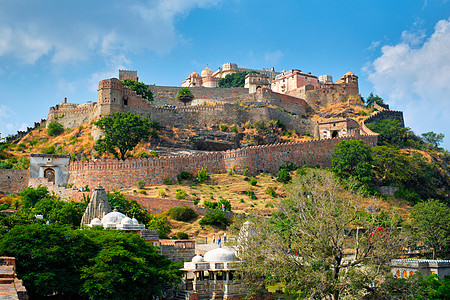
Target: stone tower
97 207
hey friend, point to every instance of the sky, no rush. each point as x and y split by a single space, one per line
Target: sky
52 49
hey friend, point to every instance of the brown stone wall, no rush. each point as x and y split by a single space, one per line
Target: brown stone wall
113 174
13 181
159 205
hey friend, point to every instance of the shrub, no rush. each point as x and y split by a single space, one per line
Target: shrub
50 150
142 154
215 218
234 129
409 195
168 181
223 127
55 128
184 176
180 194
181 235
218 205
141 184
253 182
245 172
283 176
232 170
182 213
196 201
153 153
251 195
162 193
202 174
270 191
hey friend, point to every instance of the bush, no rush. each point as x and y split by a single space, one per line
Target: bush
253 182
245 172
142 154
215 218
406 194
270 191
223 127
181 236
251 195
55 128
168 181
218 205
234 129
283 176
141 184
182 213
50 150
180 194
202 174
184 176
153 153
162 193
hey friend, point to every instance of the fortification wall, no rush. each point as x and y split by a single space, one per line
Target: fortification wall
20 134
13 181
159 205
114 174
166 94
72 116
386 114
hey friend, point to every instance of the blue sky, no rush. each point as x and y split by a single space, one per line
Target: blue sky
51 49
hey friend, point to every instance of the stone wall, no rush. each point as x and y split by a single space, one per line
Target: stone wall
386 114
178 250
13 181
159 205
113 174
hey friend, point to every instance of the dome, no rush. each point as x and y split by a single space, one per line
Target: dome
197 258
220 254
135 222
96 222
206 72
194 74
113 217
348 74
126 221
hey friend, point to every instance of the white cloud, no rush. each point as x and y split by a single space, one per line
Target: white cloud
8 123
273 57
74 30
414 75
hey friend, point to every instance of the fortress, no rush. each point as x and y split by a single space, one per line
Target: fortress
228 105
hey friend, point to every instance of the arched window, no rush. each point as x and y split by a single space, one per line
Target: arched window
398 273
405 274
411 273
50 174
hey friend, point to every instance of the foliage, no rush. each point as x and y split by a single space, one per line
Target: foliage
432 219
435 139
202 175
180 194
407 194
160 224
253 182
123 131
55 128
181 236
352 158
185 95
140 88
308 239
92 263
168 181
270 191
223 127
141 184
215 218
30 196
162 193
251 195
182 213
15 163
153 153
283 175
391 132
184 176
233 80
371 99
218 205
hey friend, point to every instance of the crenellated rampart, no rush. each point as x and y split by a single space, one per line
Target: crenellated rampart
113 174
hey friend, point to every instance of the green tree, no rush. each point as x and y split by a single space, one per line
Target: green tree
371 99
391 132
55 128
392 166
140 88
353 158
432 138
304 245
30 196
432 219
233 80
122 132
185 95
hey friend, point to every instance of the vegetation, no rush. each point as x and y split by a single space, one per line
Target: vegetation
123 131
312 223
202 175
371 99
391 132
215 218
435 139
140 88
184 176
180 194
55 128
233 80
185 95
182 213
15 163
141 184
283 175
218 205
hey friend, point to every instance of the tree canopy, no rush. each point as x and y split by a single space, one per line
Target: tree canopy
55 128
233 80
185 95
140 88
304 246
433 138
122 132
371 99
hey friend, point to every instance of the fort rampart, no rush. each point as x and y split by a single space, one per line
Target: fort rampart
113 174
13 181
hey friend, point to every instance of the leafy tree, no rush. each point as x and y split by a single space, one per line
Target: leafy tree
160 224
371 99
432 219
432 138
30 195
391 132
140 88
215 217
185 95
303 246
55 128
392 166
123 131
233 80
15 163
352 158
182 213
